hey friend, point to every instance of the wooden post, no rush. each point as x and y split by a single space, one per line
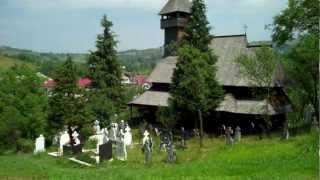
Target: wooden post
201 128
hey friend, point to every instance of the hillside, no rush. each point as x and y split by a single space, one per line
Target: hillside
136 61
7 62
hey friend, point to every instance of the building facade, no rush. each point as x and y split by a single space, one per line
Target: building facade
241 105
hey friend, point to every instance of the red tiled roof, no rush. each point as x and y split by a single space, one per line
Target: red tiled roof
140 80
83 82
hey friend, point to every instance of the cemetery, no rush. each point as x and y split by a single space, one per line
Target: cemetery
212 107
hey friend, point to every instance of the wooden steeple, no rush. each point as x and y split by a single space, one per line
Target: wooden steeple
174 17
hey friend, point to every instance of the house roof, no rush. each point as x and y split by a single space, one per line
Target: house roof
229 104
232 105
228 49
152 98
176 6
83 82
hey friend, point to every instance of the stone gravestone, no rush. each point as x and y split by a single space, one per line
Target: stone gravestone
113 132
121 147
229 139
96 126
237 134
183 138
147 145
128 136
63 141
105 151
40 145
77 146
171 153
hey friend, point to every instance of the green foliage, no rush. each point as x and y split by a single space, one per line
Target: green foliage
106 97
23 105
300 22
302 66
67 102
299 18
260 67
104 68
193 84
166 117
198 29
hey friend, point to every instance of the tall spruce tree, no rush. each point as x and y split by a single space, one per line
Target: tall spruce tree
104 70
67 103
198 29
194 87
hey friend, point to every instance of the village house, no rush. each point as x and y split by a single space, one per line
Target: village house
240 106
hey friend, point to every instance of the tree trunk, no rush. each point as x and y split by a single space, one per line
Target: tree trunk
201 128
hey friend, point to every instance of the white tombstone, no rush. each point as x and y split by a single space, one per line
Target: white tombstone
101 138
96 126
113 132
128 136
64 140
75 136
40 145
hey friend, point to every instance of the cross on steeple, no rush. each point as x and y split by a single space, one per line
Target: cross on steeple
245 26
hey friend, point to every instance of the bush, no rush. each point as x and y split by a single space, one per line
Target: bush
22 109
25 145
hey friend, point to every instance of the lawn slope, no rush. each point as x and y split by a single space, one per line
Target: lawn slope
251 159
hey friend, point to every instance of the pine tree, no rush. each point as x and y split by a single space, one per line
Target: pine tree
104 70
194 86
67 104
198 29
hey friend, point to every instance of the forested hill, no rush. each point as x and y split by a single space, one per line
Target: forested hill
136 61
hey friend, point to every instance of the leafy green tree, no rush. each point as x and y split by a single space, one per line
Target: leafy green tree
23 105
299 23
104 69
299 18
259 69
67 103
302 66
194 87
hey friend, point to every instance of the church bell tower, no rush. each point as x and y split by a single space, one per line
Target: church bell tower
174 17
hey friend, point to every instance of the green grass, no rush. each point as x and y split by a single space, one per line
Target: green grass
250 159
6 63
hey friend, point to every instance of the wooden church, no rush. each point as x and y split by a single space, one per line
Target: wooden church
240 106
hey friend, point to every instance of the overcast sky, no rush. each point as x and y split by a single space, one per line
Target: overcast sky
72 25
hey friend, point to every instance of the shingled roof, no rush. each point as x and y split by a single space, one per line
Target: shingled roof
152 98
176 6
228 49
229 104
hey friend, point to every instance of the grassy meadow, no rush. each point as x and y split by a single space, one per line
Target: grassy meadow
6 63
269 158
